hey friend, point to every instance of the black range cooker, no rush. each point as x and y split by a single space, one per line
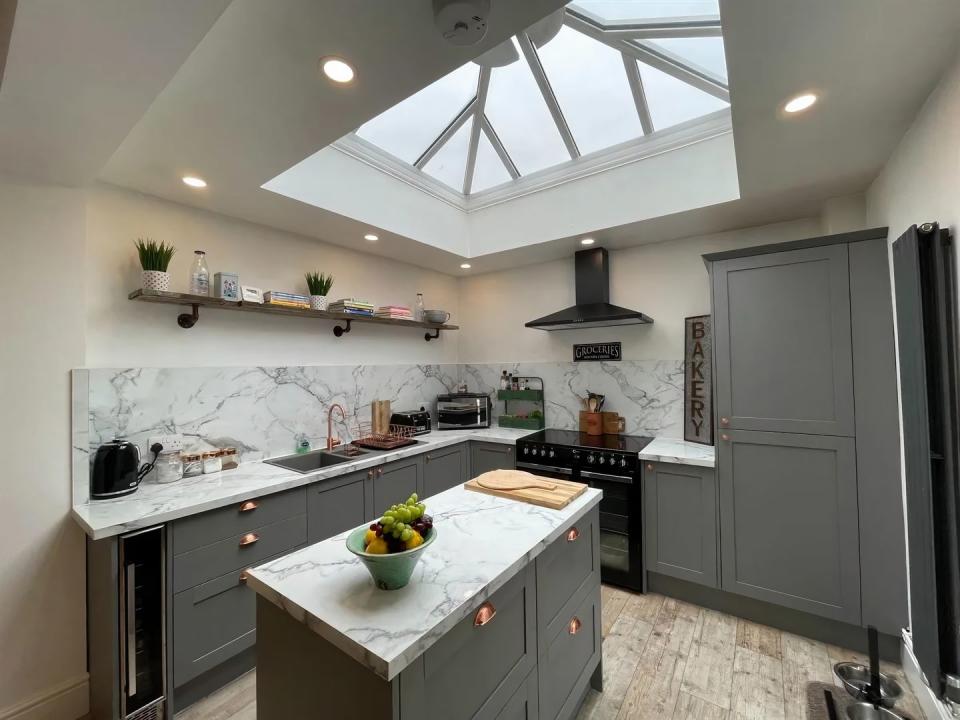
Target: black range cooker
610 463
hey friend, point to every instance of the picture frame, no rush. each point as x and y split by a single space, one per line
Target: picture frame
250 294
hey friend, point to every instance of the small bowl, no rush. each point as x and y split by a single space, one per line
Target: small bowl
391 571
436 316
866 711
856 681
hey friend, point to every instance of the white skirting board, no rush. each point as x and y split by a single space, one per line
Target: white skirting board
932 706
68 700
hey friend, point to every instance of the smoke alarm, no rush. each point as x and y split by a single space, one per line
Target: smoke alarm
462 22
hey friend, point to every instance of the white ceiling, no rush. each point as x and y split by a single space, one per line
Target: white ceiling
141 94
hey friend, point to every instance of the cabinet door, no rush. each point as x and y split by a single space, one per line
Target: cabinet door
490 456
680 513
524 703
788 521
334 506
395 482
782 342
443 469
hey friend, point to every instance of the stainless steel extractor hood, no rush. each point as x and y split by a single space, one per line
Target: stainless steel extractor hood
593 308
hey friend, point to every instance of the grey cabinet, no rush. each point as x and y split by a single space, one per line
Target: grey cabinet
395 482
788 521
680 520
444 469
524 705
490 456
336 505
782 342
569 657
475 668
565 570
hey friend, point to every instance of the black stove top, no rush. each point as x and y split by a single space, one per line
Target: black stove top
574 439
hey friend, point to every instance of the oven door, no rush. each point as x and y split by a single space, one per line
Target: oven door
621 528
546 471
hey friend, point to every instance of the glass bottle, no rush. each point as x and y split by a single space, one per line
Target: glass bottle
418 309
199 274
504 383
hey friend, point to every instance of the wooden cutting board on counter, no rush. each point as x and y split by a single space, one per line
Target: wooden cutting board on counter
527 487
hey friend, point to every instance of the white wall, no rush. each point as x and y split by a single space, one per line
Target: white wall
42 606
121 333
667 281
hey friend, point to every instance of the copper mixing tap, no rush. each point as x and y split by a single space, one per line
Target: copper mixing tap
343 415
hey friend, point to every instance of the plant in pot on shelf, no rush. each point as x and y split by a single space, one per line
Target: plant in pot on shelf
319 285
154 261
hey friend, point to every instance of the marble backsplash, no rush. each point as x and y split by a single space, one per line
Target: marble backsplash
263 410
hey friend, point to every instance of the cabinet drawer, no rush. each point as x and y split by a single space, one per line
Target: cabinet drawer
212 622
524 705
241 517
475 669
333 508
569 657
238 552
443 469
565 568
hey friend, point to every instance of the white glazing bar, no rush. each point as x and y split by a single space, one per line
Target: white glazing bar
447 133
530 53
499 148
639 96
478 107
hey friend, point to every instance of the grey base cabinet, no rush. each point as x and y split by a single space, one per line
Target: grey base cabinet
531 656
789 525
394 482
491 456
336 505
444 469
680 520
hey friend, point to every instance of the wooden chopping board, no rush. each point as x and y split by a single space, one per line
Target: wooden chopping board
527 487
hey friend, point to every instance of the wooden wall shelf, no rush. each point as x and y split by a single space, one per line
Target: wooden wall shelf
345 320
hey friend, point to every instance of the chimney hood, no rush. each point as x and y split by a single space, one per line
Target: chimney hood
593 308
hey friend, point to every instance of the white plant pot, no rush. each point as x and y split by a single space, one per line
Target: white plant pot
318 302
155 280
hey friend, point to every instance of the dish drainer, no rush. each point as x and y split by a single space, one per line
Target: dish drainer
397 436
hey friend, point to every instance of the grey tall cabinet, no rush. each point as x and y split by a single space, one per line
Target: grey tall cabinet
808 466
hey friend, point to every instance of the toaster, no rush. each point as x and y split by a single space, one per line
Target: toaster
419 420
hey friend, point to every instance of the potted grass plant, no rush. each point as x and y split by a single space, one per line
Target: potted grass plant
154 261
319 285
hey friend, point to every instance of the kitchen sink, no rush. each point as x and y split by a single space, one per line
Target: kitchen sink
318 459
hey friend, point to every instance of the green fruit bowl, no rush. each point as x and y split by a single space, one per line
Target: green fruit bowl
391 571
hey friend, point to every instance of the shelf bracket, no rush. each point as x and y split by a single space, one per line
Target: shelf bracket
339 331
428 337
188 320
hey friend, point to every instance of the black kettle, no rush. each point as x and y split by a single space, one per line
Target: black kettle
116 469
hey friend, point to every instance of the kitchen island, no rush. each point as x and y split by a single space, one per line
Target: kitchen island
501 619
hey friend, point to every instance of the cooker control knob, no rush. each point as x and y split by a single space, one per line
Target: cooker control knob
543 452
623 462
602 460
552 453
526 450
591 459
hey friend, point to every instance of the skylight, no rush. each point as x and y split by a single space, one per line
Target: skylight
596 75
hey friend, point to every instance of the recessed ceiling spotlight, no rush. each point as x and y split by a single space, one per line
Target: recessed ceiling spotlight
587 241
465 266
800 103
371 237
337 69
194 182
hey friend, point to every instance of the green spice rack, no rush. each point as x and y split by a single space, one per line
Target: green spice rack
534 420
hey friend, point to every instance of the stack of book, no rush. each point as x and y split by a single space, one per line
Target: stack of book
394 312
352 306
285 299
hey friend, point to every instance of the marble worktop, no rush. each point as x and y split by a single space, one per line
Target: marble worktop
679 452
482 542
155 503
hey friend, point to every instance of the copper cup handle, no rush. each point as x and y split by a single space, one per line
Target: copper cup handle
724 436
243 577
485 613
724 421
649 466
573 627
249 539
248 506
573 534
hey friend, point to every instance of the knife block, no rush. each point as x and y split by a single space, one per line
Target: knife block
591 423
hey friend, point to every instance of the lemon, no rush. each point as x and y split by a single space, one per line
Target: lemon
415 540
378 546
369 537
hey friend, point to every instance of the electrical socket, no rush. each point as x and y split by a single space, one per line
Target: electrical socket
171 443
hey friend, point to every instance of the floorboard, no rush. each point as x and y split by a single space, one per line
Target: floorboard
664 659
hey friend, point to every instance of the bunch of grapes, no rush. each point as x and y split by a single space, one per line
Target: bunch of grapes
400 521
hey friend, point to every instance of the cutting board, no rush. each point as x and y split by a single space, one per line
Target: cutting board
526 487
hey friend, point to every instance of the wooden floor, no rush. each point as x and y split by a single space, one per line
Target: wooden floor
666 659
